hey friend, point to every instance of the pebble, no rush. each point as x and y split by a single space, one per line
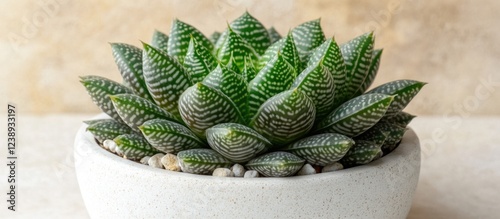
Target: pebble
332 167
145 160
225 172
307 169
251 174
110 145
238 170
171 162
154 161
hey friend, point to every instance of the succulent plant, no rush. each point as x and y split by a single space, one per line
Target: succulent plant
249 96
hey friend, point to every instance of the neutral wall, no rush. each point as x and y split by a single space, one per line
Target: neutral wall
452 44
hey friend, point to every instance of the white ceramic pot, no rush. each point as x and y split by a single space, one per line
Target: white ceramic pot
113 187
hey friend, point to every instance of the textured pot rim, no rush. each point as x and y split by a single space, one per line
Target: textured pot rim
405 149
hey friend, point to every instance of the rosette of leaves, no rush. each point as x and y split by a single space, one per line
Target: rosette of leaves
248 95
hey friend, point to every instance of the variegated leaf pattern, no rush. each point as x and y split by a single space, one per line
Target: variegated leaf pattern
134 146
169 137
108 129
128 58
231 84
179 37
362 152
374 134
394 135
308 36
321 149
288 50
285 117
236 47
401 119
357 55
201 161
276 164
276 77
160 41
252 31
198 61
214 37
99 89
248 71
236 142
317 83
135 110
404 90
372 72
202 107
356 115
273 34
231 64
95 121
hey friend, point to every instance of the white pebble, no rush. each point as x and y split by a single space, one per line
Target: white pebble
110 145
306 170
332 167
238 170
251 174
225 172
145 160
154 161
171 162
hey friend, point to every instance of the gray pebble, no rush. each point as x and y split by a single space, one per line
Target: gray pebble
332 167
154 161
251 174
307 169
225 172
238 170
171 162
145 160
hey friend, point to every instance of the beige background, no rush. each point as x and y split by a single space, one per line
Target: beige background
452 44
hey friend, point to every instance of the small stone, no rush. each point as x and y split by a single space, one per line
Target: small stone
251 174
154 161
145 160
332 167
238 170
224 172
110 145
307 169
171 162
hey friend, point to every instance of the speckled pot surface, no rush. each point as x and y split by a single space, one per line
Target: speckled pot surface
113 187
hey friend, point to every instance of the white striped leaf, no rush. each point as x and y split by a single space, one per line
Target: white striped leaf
372 72
169 137
317 83
202 107
231 64
165 77
252 31
400 119
285 117
95 121
362 152
249 71
135 110
288 50
236 142
99 89
108 129
404 90
374 134
356 115
235 46
276 77
276 164
160 41
201 161
321 149
134 146
179 37
274 35
394 135
308 36
198 61
214 37
128 58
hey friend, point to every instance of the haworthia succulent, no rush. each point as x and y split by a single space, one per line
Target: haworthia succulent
277 76
128 58
169 137
99 89
202 107
308 36
160 41
248 71
317 83
276 164
198 61
201 161
401 119
357 55
179 37
285 117
165 77
362 152
135 110
214 37
273 34
372 72
322 149
288 50
404 90
95 121
394 135
108 129
374 134
235 46
134 146
252 31
236 142
356 115
231 64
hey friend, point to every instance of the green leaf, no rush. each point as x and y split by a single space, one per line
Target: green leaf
134 146
372 72
201 161
95 121
165 77
374 134
160 41
128 58
394 135
214 37
401 119
236 142
308 36
362 152
108 129
135 110
202 107
322 149
169 137
180 35
99 89
198 61
404 90
356 115
231 64
285 117
235 46
276 164
276 77
286 47
274 35
252 31
249 71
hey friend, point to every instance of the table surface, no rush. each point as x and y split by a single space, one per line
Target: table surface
459 177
